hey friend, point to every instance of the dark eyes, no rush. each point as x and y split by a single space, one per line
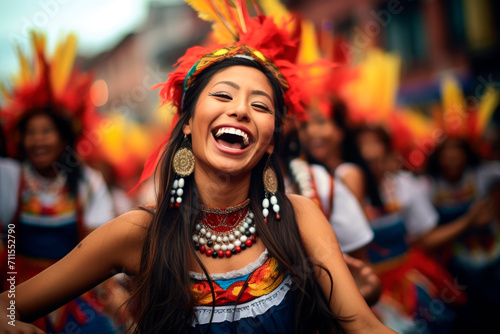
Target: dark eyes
226 96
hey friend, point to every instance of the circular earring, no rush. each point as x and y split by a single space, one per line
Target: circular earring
270 188
183 165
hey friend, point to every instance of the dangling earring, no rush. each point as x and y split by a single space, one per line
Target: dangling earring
183 165
270 187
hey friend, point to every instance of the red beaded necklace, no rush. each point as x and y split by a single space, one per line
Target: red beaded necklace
225 231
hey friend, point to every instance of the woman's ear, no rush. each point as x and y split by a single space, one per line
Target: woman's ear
270 148
187 127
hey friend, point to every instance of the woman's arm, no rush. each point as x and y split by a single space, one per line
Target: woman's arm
113 247
480 213
321 245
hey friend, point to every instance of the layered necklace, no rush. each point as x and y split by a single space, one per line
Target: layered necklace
41 186
223 232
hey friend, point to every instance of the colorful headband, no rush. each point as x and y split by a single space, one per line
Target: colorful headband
231 52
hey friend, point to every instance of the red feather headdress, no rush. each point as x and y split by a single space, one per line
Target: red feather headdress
235 32
47 82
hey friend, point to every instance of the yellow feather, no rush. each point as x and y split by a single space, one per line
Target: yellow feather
420 125
489 102
4 91
223 12
215 11
221 34
275 9
204 9
25 72
453 101
38 41
309 51
62 63
375 89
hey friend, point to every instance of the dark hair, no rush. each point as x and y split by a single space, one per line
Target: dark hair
351 153
349 150
68 136
385 138
472 158
163 301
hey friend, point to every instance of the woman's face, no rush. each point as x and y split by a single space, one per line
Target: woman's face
374 152
452 159
233 122
320 136
42 143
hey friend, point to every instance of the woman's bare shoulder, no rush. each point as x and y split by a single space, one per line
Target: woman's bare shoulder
301 203
132 225
305 210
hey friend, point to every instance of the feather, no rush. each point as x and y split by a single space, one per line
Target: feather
489 102
225 17
62 63
215 11
275 9
204 8
25 73
453 106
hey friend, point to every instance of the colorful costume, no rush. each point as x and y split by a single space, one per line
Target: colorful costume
336 201
48 220
474 257
264 306
48 225
411 281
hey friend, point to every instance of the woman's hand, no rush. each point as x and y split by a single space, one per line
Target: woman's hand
10 325
19 328
481 212
368 283
115 246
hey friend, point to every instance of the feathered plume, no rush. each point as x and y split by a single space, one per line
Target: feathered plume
47 82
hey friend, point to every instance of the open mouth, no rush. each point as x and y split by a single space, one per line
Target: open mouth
232 138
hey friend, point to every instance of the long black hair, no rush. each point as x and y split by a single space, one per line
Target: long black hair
162 301
68 161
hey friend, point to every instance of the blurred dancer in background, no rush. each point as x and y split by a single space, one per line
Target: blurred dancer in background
457 181
411 281
50 197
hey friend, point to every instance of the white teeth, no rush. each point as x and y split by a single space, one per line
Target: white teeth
233 131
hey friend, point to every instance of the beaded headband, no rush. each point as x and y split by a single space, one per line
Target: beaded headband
231 52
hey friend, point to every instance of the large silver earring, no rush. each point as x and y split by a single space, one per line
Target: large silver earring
183 165
270 188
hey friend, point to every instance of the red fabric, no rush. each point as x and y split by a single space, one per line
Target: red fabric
400 282
261 282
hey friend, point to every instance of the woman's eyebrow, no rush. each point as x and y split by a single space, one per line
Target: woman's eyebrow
235 85
259 92
230 83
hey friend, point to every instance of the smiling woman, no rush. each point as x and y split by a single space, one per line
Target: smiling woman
236 103
223 248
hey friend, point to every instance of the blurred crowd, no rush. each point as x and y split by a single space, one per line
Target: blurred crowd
413 195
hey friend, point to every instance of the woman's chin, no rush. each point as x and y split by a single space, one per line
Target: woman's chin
231 167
